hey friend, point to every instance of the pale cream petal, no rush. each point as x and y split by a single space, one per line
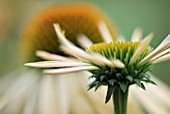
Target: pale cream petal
137 35
164 45
51 57
148 102
94 58
145 42
48 64
84 41
62 93
71 49
13 92
167 51
102 59
31 100
104 32
118 63
65 42
69 70
161 59
47 99
61 36
155 97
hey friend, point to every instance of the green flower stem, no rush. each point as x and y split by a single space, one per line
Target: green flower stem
120 99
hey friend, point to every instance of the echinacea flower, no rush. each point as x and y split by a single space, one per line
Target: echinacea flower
116 64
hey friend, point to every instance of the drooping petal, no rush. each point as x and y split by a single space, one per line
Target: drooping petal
141 48
71 49
164 45
101 58
104 31
51 57
161 54
69 70
50 64
161 59
118 63
84 41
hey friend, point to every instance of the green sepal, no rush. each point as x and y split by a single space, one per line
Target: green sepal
118 75
110 91
147 76
150 81
134 73
93 76
130 78
123 86
92 85
102 78
143 86
137 82
98 85
112 82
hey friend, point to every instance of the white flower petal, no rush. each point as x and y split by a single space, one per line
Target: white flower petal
51 57
164 45
102 59
145 42
161 59
137 35
48 64
118 63
161 54
71 49
84 41
61 36
94 58
31 100
47 99
69 70
104 32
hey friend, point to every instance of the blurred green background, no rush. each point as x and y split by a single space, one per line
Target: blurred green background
149 15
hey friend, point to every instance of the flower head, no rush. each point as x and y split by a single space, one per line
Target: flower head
118 63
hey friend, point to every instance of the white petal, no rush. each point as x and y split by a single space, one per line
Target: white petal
84 41
94 58
161 59
145 42
102 59
47 97
61 36
51 57
70 70
48 64
161 54
31 100
118 63
137 35
71 49
164 45
104 32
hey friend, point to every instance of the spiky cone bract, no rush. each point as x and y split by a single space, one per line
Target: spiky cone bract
115 64
75 18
